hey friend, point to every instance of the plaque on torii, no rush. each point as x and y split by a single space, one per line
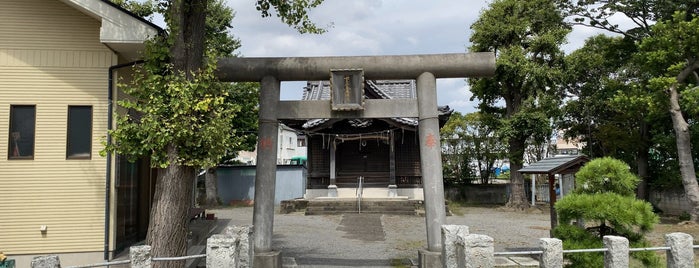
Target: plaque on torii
347 89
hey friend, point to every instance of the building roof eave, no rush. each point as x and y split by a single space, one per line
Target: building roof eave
555 165
121 30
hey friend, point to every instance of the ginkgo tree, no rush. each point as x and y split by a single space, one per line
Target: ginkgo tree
526 37
186 114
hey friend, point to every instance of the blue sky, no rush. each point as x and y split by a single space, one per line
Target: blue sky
374 27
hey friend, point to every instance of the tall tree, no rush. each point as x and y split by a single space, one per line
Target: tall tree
186 119
673 53
611 108
674 62
526 37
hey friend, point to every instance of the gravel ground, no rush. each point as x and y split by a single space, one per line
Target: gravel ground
383 240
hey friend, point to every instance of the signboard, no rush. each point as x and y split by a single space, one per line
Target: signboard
347 89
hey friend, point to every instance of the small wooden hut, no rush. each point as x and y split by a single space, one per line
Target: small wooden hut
568 164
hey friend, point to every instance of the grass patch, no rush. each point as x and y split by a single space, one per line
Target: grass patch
410 244
399 263
459 208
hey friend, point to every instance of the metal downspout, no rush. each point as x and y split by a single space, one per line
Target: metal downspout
108 176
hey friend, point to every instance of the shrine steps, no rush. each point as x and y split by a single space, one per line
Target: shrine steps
334 206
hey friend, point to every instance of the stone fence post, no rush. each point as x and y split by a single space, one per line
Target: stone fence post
244 235
552 256
478 251
681 253
461 249
452 245
140 256
617 255
50 261
222 251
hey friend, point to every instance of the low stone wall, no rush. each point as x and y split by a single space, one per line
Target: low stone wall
672 202
487 194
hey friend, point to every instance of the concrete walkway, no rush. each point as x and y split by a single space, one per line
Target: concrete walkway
374 240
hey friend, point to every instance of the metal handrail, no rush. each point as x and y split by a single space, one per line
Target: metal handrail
102 264
587 250
181 258
359 191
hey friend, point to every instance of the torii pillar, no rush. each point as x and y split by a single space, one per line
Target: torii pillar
424 68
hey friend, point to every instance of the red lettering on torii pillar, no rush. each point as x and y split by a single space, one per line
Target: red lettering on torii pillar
265 143
430 140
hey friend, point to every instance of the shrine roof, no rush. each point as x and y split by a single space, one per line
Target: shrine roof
373 89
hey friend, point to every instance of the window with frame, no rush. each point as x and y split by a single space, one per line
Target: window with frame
79 138
22 131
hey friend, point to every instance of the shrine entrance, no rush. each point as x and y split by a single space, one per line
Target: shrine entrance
347 76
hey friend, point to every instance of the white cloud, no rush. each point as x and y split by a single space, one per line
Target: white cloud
455 93
373 27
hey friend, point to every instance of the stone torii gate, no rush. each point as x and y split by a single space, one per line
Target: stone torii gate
348 73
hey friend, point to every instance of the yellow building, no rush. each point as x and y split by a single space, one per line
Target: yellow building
57 194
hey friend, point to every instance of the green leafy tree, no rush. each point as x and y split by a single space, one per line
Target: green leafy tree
612 110
526 37
293 13
245 95
672 51
186 114
605 199
601 14
471 147
455 161
243 133
670 67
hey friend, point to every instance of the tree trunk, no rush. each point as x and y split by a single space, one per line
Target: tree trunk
188 28
518 196
684 152
642 159
211 187
167 229
516 145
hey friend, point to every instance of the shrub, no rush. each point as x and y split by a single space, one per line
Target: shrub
604 175
626 215
685 216
605 200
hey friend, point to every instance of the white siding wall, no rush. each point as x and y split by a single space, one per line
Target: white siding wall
51 57
286 145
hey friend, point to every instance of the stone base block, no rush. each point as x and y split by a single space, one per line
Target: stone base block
393 190
332 190
272 259
429 259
